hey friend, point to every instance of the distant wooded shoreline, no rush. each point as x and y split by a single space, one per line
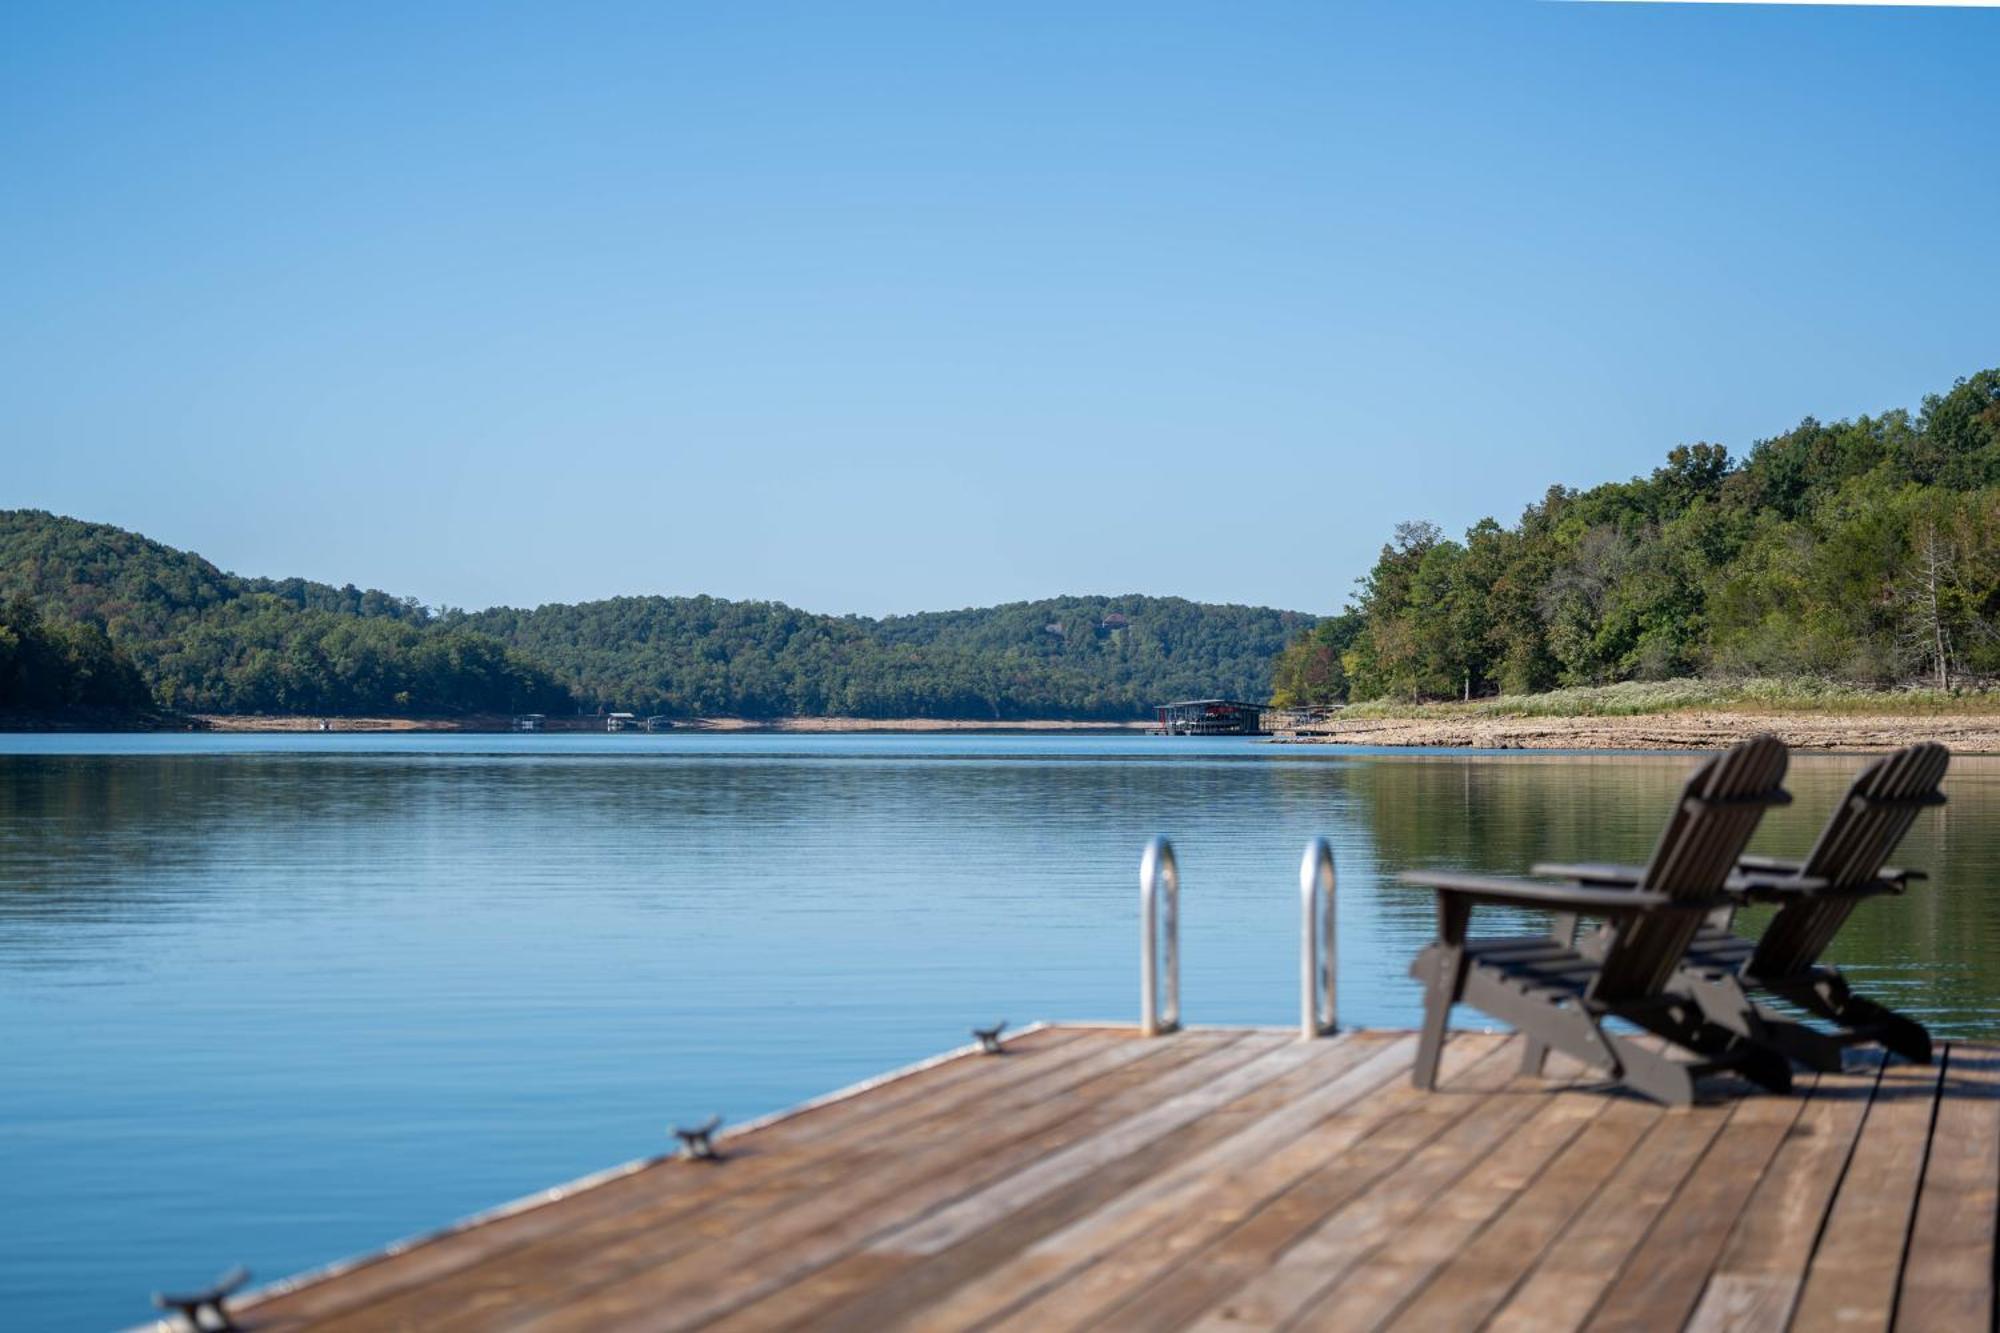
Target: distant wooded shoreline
591 725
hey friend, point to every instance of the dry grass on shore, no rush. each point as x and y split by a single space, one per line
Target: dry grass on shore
1680 715
1634 698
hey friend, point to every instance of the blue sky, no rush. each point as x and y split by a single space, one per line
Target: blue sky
882 308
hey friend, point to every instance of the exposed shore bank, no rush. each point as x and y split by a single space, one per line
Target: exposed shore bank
901 724
1694 729
1965 733
591 725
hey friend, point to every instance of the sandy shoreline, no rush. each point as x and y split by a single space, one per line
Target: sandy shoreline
1964 733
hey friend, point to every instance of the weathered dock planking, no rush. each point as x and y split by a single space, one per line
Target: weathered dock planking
1237 1179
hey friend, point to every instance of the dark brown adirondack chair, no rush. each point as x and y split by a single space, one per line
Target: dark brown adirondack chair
1816 896
1560 998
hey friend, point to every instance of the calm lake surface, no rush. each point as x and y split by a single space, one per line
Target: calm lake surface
275 1000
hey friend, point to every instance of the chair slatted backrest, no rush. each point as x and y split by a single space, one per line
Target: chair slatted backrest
1881 804
1710 825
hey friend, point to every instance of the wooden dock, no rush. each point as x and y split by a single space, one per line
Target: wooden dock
1245 1179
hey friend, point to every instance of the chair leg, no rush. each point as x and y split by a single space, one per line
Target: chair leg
1535 1052
1808 1046
1430 1045
1726 1005
1905 1036
1765 1066
1688 1029
1721 998
1828 996
1439 996
1650 1074
1446 985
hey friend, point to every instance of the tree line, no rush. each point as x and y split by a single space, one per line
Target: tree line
195 639
206 641
54 667
1866 551
1082 658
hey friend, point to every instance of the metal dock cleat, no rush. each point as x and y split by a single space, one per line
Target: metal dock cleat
213 1298
697 1145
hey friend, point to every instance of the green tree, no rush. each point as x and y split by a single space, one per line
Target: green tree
1865 549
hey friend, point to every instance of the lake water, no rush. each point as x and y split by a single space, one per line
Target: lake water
274 1000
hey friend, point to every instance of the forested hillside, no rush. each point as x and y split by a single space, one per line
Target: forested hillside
208 641
1864 551
55 667
1071 657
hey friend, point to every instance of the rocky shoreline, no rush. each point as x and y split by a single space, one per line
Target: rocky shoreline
1974 733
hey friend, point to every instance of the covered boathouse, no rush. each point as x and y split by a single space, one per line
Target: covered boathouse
1211 717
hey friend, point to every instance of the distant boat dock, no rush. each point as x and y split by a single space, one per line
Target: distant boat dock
608 722
1232 717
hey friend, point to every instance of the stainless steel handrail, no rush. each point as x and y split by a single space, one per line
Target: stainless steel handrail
1318 941
1159 906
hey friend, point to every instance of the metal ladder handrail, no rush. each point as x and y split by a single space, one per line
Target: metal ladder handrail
1318 941
1158 871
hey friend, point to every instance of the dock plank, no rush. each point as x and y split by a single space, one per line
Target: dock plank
678 1200
890 1285
1476 1282
759 1235
1229 1177
1573 1274
1755 1281
698 1286
1242 1179
1852 1280
1403 1262
830 1126
1662 1281
1947 1283
1017 1218
1186 1225
1283 1254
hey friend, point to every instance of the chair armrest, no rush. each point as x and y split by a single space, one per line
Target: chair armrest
1743 881
1796 888
1589 872
1560 897
1780 865
1775 797
1922 802
1762 877
1753 885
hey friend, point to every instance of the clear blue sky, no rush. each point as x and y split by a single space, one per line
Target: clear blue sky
873 308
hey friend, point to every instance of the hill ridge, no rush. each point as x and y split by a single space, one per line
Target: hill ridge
213 641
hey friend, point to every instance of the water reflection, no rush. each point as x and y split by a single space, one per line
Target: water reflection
280 1000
